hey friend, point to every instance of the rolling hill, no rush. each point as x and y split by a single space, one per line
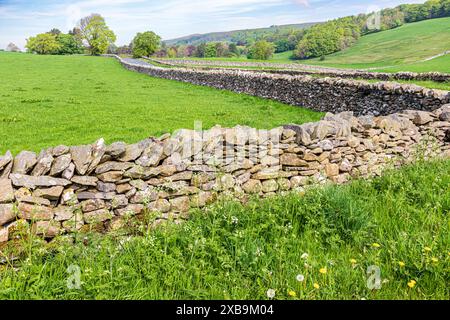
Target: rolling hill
232 36
409 44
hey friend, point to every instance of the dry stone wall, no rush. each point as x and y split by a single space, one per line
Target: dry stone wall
320 94
66 189
300 69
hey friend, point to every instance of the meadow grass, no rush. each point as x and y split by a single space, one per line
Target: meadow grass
441 64
51 100
409 43
330 235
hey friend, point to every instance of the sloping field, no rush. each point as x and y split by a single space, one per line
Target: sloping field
48 100
410 43
441 64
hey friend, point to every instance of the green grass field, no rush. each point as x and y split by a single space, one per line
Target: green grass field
395 50
441 64
398 223
405 45
51 100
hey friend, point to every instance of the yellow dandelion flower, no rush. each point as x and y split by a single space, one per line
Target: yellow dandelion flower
323 270
427 249
292 294
401 264
434 260
316 286
412 284
376 245
353 261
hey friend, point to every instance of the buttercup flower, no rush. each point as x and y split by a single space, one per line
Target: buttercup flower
316 286
401 264
271 293
292 294
353 261
300 278
323 270
376 245
412 284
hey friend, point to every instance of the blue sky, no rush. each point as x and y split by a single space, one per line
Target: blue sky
20 19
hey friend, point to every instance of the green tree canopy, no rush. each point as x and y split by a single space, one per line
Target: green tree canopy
44 43
69 44
96 33
145 44
261 50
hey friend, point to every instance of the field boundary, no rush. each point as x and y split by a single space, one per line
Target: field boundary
319 94
70 189
323 71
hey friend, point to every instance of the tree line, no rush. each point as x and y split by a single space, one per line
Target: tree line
339 34
93 36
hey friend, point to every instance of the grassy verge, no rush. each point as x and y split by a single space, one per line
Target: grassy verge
329 237
51 100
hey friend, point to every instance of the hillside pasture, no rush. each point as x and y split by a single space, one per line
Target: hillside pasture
51 100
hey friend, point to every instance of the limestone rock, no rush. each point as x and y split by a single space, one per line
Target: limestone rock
139 172
47 229
97 152
7 213
4 235
110 176
132 152
64 213
34 212
252 186
106 187
181 204
6 191
227 181
298 181
24 162
202 199
119 201
326 145
35 200
143 197
6 159
130 210
161 205
60 164
112 166
97 216
92 205
85 180
86 195
269 186
31 182
345 166
331 170
82 158
44 163
69 172
151 156
60 150
116 149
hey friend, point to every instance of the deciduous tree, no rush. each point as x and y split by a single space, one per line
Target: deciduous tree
96 33
44 43
145 44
